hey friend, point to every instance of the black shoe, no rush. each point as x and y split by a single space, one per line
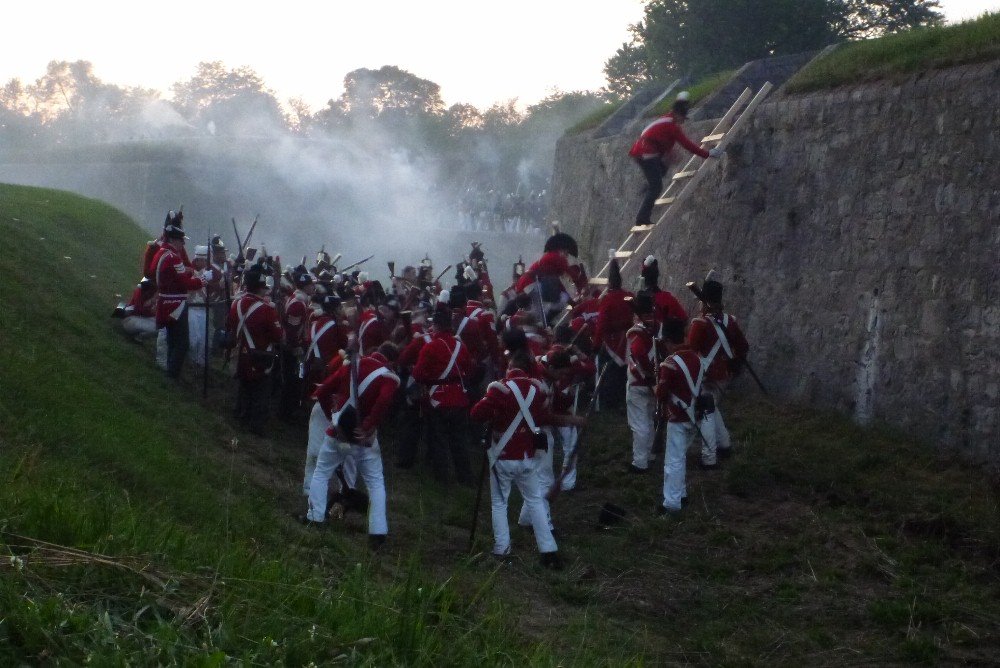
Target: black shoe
724 453
708 467
632 468
551 561
306 522
376 541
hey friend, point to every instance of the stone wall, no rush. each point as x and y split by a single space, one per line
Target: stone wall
857 232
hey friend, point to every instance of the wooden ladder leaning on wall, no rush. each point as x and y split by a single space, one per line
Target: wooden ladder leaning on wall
683 183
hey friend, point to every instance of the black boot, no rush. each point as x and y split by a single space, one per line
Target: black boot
552 561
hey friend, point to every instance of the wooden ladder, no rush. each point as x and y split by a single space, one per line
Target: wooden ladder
683 183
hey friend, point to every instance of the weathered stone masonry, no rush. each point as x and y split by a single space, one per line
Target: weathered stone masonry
857 230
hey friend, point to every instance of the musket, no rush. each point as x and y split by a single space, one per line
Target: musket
239 244
570 464
246 242
479 489
442 273
356 264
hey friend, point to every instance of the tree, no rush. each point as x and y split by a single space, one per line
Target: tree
230 101
680 37
389 90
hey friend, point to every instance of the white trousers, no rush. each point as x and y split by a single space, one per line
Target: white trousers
369 462
318 425
161 348
138 326
679 436
641 406
568 437
196 335
716 436
546 478
520 472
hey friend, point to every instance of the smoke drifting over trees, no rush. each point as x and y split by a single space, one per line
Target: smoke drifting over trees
385 163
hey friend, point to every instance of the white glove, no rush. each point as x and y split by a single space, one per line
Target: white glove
716 152
470 273
207 275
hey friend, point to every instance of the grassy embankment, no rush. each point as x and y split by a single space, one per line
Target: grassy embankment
819 543
903 54
698 91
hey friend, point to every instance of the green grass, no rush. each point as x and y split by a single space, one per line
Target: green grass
902 54
698 92
819 543
596 117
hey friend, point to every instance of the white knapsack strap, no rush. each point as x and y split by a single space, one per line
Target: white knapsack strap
695 387
522 415
316 336
461 326
241 328
720 339
361 334
372 377
447 370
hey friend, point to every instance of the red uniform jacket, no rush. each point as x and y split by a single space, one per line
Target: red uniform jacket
149 258
614 319
673 385
443 369
641 357
702 337
555 264
173 281
371 331
665 305
138 306
296 319
565 393
256 330
377 386
658 139
324 337
500 409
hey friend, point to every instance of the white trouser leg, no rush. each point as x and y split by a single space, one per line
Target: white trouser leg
369 465
351 472
568 436
196 335
679 436
721 432
331 455
710 439
500 482
318 424
161 348
546 478
641 405
526 479
135 325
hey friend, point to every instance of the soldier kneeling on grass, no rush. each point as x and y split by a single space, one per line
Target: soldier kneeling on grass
515 409
362 397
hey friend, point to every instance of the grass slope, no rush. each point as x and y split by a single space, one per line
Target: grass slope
903 54
819 543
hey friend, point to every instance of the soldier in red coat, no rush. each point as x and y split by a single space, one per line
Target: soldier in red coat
652 152
325 335
254 329
641 357
679 389
614 319
516 410
174 279
442 367
368 398
717 337
295 321
415 413
665 305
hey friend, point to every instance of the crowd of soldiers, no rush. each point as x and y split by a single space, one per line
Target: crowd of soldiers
498 211
348 354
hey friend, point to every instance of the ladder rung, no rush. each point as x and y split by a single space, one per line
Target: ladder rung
685 175
623 255
715 137
638 229
598 281
665 200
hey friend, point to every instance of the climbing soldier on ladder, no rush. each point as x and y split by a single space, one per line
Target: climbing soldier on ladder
652 152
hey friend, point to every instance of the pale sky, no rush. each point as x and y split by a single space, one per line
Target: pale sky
479 52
